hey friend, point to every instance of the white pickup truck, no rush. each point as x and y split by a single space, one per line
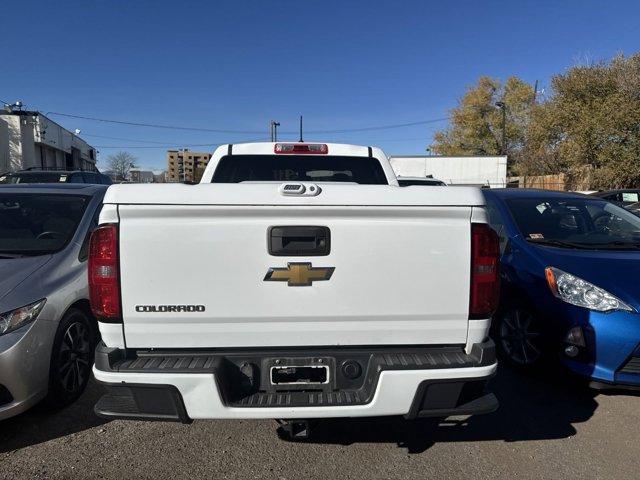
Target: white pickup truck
295 281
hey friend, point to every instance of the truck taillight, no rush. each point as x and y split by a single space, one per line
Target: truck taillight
104 277
303 148
485 279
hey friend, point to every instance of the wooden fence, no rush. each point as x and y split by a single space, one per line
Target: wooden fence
576 181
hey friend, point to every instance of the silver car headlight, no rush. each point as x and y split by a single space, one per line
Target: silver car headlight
10 321
581 293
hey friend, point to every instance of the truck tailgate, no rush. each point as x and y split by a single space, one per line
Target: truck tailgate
194 276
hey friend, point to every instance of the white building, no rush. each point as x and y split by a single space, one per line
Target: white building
29 139
137 175
478 171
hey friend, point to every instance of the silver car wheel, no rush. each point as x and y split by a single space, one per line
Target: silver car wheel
75 357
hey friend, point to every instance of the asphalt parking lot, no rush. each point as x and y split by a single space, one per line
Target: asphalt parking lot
545 428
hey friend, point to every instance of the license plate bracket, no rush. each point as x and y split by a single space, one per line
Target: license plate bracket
298 373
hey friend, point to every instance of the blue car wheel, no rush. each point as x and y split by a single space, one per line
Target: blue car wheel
518 337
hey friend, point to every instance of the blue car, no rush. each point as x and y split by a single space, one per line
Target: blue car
570 268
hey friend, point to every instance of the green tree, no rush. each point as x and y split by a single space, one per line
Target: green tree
476 123
591 120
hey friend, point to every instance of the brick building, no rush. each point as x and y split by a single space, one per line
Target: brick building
185 165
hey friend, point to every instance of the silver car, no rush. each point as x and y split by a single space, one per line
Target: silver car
47 331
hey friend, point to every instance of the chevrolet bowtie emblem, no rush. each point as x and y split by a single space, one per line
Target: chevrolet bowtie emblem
299 274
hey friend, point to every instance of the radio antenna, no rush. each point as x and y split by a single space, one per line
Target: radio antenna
301 129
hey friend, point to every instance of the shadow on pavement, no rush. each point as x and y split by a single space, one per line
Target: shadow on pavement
531 408
40 425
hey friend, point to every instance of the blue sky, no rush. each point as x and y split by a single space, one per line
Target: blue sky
235 65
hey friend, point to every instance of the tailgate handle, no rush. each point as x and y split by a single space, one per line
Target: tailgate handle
299 241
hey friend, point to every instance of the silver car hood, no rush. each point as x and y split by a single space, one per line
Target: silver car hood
13 271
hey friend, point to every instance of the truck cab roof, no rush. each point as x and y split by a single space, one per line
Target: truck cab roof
299 150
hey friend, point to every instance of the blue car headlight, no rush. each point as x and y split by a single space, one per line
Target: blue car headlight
579 292
15 319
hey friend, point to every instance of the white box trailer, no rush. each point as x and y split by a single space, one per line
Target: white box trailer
469 170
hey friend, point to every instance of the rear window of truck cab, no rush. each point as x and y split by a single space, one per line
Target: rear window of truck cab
325 168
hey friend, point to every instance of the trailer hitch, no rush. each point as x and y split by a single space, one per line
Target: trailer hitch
295 429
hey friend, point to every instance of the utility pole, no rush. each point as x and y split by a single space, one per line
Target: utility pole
503 107
301 129
273 130
184 166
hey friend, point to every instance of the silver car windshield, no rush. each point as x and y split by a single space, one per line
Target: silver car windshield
38 224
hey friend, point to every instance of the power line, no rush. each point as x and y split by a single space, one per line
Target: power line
382 127
172 145
165 143
152 125
159 146
183 145
383 140
250 132
122 138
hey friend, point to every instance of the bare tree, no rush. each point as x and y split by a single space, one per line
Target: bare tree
121 164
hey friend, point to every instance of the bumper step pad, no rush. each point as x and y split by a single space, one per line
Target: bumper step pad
301 399
149 362
142 402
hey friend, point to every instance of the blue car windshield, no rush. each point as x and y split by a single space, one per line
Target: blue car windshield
575 223
38 224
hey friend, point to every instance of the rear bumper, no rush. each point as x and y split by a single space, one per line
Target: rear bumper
203 386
